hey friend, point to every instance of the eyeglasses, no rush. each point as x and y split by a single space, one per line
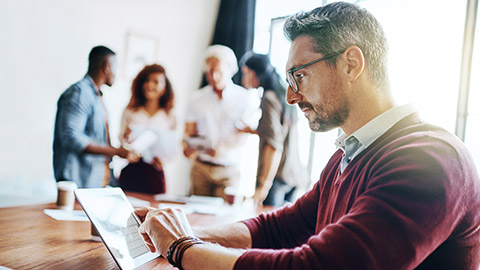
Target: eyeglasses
291 77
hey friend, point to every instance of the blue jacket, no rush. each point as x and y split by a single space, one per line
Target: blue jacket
80 120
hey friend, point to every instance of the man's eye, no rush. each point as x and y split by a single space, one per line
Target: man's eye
299 76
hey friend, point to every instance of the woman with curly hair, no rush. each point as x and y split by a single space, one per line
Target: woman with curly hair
149 111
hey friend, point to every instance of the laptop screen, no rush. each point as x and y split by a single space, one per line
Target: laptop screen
113 217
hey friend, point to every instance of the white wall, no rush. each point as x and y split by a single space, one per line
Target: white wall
43 50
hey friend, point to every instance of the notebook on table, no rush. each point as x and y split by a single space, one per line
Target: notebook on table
113 217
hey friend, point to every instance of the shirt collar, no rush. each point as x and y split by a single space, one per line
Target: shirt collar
226 92
92 83
372 130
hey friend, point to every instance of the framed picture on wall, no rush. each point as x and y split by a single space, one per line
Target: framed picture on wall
140 50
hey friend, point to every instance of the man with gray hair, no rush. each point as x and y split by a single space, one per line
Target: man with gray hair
397 194
212 139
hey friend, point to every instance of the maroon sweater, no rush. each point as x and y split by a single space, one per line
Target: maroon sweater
410 200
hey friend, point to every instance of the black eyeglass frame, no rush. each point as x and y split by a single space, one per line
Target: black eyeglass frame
293 70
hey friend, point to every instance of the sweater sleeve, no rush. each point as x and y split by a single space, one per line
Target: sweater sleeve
406 207
287 227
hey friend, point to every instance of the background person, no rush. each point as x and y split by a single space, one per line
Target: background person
81 143
212 139
150 110
279 171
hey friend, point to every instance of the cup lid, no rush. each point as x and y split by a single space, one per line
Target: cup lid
67 185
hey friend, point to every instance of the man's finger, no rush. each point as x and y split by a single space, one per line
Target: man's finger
142 212
146 238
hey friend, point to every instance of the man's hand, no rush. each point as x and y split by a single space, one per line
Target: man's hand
189 152
131 156
127 135
260 195
160 228
211 152
247 130
157 163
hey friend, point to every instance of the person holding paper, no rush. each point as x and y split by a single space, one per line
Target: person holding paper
148 128
212 139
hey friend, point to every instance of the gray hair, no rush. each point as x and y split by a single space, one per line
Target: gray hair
225 55
337 26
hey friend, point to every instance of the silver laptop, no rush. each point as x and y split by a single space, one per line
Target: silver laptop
114 218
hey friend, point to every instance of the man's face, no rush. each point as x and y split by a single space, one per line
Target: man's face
111 69
216 73
322 94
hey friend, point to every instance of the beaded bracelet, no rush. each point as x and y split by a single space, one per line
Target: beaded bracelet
178 247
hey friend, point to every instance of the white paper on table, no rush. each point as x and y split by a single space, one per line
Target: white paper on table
183 207
207 200
58 214
209 210
190 208
136 202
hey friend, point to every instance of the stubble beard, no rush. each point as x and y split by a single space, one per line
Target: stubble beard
331 114
324 121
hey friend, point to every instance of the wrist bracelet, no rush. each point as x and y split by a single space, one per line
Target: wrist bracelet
182 248
178 247
171 250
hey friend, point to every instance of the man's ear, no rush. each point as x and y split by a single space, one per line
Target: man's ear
106 66
354 62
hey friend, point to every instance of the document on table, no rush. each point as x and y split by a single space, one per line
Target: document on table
58 214
190 208
135 202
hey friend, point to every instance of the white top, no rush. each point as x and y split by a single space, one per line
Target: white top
217 120
160 127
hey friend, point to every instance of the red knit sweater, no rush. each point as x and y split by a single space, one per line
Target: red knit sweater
410 200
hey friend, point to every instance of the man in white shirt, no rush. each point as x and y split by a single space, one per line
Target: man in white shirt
212 139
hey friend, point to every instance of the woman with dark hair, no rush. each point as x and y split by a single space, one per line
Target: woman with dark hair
148 112
279 172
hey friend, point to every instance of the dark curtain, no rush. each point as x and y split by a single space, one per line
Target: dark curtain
235 28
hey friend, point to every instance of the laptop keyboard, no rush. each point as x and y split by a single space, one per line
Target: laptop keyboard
136 246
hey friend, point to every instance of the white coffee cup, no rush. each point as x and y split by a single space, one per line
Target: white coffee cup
65 195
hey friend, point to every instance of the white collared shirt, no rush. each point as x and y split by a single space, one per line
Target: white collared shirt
363 137
217 119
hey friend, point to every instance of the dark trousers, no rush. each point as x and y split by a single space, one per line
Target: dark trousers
279 193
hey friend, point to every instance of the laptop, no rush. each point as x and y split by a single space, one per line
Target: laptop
113 217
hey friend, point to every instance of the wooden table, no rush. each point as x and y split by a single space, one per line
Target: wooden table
29 239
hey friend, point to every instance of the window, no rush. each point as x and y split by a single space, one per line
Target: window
473 113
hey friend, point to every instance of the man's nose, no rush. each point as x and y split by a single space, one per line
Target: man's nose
291 97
